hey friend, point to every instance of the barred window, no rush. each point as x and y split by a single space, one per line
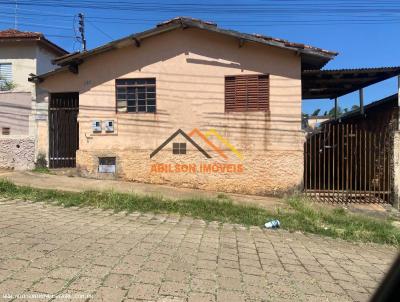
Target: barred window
247 93
136 95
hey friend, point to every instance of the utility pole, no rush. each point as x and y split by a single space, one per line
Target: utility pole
82 30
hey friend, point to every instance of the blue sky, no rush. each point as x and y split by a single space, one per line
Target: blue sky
365 33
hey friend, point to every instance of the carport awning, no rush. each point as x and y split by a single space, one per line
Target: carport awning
329 84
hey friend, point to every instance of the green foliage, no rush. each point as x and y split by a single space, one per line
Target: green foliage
6 85
41 161
316 112
300 216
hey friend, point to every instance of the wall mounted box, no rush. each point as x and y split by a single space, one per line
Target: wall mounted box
96 126
109 126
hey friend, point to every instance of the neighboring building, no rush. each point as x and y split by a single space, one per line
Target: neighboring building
237 97
21 54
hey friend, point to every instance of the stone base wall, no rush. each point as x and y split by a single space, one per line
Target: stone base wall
17 153
259 172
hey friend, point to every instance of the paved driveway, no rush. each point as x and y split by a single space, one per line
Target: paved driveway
87 253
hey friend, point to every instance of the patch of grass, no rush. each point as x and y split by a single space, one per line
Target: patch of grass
44 170
300 216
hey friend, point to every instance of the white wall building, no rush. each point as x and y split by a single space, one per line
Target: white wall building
21 54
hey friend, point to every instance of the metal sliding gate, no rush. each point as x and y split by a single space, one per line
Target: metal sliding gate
63 130
346 163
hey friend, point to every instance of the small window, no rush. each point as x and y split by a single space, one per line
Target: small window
247 93
179 148
136 95
107 164
5 75
5 131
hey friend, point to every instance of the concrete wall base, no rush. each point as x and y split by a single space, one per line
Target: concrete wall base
264 172
17 153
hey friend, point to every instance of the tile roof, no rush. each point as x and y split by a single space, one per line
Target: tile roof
312 57
282 42
17 34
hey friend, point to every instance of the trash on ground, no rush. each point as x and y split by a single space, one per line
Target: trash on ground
273 224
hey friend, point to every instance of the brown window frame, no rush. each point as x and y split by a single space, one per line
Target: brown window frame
134 86
239 97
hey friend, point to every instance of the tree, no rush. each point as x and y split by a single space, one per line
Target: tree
331 112
315 112
355 107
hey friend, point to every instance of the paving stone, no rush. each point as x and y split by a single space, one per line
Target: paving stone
13 287
49 286
148 257
64 273
30 274
118 281
107 294
201 297
84 283
149 277
203 286
231 296
169 288
330 287
178 276
359 297
143 291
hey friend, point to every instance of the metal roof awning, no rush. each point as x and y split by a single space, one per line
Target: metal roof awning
330 84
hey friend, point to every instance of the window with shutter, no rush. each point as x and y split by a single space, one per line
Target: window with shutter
247 93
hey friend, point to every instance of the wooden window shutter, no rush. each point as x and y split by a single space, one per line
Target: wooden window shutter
247 93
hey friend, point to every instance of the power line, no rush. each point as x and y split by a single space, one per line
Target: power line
101 31
37 24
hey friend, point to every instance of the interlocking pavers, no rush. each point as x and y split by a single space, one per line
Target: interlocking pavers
148 257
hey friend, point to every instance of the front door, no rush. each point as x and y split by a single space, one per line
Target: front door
63 129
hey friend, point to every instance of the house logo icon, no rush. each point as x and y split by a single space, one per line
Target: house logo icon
180 148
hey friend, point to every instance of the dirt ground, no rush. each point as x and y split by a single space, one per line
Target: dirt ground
76 184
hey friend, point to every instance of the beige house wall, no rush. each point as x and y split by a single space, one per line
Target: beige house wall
15 109
190 67
18 108
22 56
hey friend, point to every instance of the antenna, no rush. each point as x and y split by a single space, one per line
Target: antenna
82 30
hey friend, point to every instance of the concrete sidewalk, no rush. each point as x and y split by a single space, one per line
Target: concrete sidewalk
79 184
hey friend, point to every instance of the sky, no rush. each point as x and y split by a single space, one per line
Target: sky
365 33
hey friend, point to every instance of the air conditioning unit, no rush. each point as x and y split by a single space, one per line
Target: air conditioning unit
109 126
96 126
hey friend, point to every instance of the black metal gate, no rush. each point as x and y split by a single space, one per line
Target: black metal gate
347 163
63 129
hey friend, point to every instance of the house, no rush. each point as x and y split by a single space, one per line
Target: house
235 96
21 54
